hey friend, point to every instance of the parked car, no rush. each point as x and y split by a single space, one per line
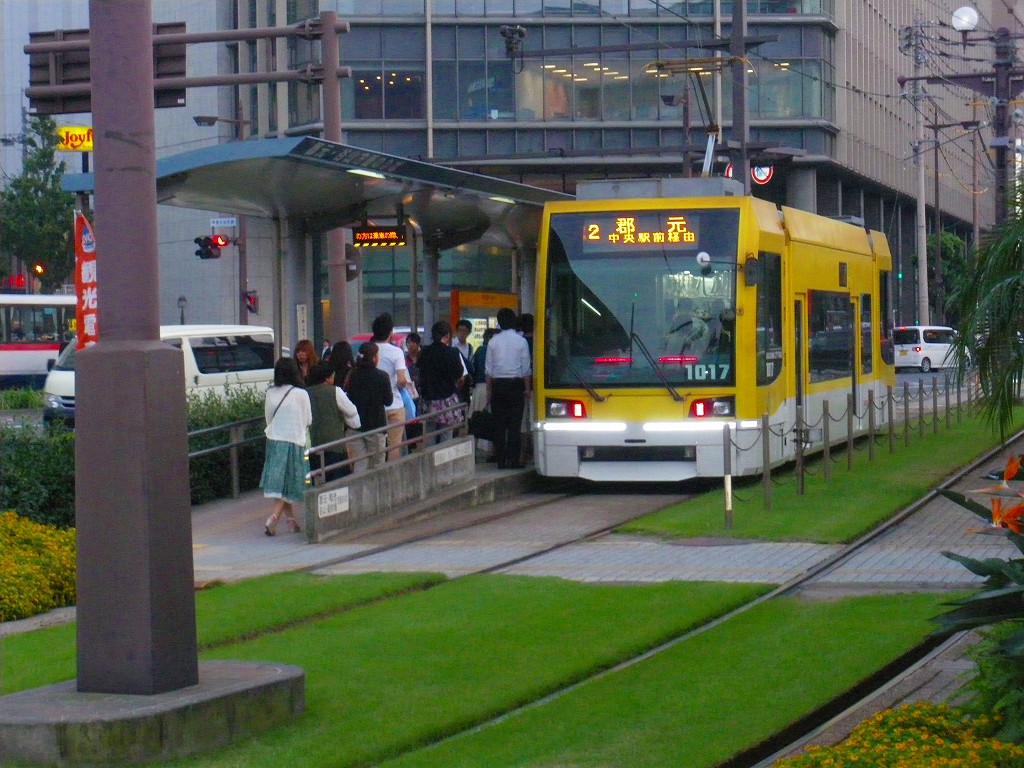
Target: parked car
924 346
216 357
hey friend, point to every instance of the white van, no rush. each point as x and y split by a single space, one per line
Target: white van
924 346
216 356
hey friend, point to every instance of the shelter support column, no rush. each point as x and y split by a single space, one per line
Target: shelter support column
431 284
526 266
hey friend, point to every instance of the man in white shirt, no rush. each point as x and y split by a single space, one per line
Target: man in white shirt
509 383
391 360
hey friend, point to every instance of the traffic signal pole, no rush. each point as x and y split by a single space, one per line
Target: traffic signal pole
337 265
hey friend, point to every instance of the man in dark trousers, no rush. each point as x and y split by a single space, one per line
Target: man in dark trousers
509 383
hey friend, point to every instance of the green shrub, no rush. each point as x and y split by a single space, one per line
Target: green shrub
18 399
37 474
922 735
37 467
37 567
210 476
997 608
998 686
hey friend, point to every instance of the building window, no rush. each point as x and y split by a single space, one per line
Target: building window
397 93
380 8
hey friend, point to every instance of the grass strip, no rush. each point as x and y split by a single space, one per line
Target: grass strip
223 613
394 676
707 698
839 511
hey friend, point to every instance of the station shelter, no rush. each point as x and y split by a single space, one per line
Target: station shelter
298 189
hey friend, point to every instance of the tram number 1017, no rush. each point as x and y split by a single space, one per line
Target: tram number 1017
708 372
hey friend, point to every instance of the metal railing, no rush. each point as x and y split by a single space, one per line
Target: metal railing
432 431
236 439
901 412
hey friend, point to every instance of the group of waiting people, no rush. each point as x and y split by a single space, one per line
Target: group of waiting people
318 402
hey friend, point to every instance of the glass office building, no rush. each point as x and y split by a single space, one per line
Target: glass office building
551 92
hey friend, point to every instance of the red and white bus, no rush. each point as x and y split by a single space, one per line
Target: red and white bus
33 329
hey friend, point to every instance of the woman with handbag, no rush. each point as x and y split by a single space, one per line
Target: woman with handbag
289 415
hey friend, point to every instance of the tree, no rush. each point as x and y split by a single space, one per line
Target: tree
37 217
954 268
990 304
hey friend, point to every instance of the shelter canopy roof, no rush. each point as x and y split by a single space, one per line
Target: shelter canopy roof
329 185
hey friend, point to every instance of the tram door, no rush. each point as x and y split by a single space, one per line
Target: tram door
798 351
854 349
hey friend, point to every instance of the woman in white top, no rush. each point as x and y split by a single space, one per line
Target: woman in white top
288 414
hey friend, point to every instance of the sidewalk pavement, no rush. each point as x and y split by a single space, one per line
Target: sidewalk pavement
229 545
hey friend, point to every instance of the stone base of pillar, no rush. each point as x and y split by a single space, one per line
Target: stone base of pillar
56 725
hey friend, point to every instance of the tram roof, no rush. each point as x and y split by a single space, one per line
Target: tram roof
331 185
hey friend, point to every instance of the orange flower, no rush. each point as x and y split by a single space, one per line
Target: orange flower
1008 518
1012 467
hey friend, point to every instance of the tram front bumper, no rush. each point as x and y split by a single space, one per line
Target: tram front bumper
652 452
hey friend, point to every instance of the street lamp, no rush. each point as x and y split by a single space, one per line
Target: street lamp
965 20
210 120
182 302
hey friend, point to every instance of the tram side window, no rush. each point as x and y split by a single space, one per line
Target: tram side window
769 318
866 349
831 327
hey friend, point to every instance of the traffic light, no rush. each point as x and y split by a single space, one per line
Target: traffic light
208 248
39 270
252 301
219 241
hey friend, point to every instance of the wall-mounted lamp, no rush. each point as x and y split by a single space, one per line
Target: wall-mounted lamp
208 120
182 302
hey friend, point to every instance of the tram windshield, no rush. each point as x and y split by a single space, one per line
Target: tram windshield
641 298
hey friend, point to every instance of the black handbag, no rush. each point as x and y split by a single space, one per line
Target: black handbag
483 425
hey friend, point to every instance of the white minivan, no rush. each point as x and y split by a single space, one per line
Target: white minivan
924 346
216 357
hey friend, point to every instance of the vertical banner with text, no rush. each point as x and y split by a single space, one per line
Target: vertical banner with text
86 321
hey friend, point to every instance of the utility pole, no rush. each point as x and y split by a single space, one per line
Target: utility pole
740 129
916 97
940 310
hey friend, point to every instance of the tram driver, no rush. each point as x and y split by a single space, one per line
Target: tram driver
688 334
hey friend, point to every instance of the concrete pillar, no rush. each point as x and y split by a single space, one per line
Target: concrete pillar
136 606
802 189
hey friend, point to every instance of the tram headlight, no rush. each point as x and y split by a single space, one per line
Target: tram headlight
567 409
712 406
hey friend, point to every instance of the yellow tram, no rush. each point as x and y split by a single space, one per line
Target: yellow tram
670 309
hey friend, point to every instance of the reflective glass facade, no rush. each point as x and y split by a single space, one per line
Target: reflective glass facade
474 81
432 79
